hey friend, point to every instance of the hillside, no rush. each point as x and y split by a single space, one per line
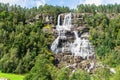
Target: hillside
26 36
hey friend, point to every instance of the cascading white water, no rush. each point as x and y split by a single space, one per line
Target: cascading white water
61 31
67 20
58 21
66 23
80 47
54 45
75 47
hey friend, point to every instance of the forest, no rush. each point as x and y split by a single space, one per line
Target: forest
25 48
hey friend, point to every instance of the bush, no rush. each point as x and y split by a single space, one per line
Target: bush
116 76
80 75
41 70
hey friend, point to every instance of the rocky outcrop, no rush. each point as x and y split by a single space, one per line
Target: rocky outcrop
46 18
75 62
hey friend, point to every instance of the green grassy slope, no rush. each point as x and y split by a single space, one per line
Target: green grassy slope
11 76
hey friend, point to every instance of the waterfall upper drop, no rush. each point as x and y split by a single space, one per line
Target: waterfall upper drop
69 41
66 25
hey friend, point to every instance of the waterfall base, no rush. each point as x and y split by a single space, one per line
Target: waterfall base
75 62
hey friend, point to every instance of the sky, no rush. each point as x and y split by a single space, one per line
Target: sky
69 3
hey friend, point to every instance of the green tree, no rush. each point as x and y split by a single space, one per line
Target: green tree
63 74
41 70
80 75
116 75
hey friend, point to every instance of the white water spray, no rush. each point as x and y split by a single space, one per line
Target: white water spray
55 45
81 45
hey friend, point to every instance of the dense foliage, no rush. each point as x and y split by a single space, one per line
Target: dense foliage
20 46
105 37
21 43
110 8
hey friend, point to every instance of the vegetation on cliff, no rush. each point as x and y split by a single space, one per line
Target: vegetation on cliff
25 48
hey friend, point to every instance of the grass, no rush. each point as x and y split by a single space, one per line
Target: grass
11 76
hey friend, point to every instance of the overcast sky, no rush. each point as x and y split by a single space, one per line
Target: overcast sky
69 3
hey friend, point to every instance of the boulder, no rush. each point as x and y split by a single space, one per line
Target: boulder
4 79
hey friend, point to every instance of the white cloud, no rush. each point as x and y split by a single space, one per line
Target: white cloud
96 2
9 1
25 3
69 3
40 2
99 2
111 1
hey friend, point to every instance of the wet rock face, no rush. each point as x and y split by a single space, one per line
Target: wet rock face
75 62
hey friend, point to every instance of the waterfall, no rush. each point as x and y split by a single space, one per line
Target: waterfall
66 23
54 45
75 47
81 45
67 20
58 21
76 34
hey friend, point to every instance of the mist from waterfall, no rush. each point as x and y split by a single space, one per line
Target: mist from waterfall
81 45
